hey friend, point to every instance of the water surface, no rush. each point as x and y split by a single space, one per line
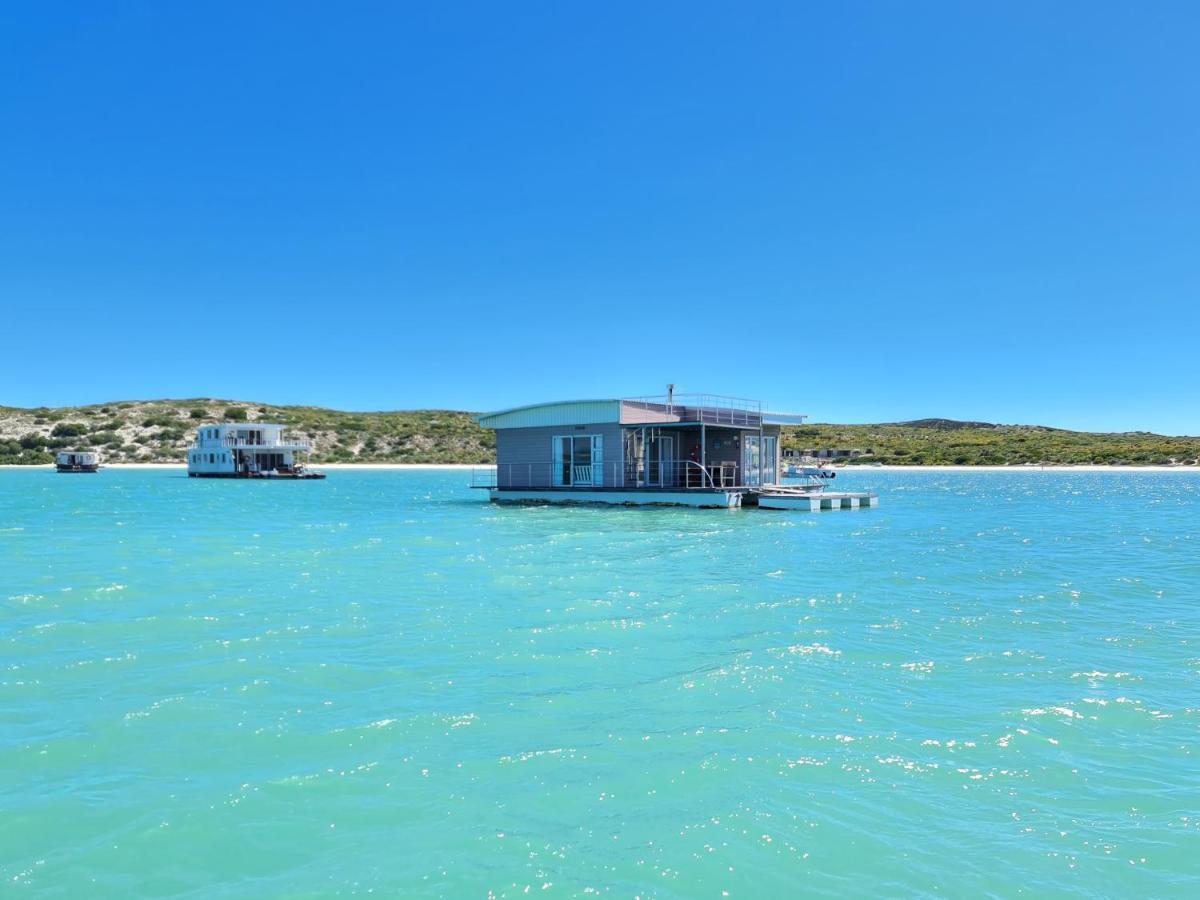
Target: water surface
380 682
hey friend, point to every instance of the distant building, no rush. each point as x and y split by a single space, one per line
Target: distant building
825 453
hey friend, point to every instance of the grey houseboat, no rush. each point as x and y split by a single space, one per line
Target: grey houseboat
692 450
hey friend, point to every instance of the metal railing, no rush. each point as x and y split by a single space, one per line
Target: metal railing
711 409
633 475
812 478
282 442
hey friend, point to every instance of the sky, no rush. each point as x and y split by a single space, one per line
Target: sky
866 212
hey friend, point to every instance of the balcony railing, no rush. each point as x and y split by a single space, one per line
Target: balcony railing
711 409
638 475
281 443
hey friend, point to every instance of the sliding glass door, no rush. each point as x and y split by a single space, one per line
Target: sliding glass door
770 459
578 461
660 461
751 460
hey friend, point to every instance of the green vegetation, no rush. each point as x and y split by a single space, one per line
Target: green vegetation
940 442
161 431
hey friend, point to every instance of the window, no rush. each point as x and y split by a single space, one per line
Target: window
212 457
578 460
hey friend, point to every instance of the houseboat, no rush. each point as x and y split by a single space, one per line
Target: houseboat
248 450
699 450
77 461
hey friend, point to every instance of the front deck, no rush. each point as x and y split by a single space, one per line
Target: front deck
702 493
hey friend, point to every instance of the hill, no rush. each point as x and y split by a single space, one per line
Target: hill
943 442
161 431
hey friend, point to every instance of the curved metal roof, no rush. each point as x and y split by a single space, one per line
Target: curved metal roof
561 412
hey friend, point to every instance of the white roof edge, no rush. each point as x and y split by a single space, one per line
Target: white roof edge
770 417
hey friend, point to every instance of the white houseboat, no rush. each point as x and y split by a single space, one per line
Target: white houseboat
697 450
77 461
248 450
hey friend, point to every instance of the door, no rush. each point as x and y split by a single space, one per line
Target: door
751 459
597 460
660 461
770 461
578 460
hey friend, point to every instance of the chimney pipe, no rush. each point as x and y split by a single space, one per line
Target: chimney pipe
670 398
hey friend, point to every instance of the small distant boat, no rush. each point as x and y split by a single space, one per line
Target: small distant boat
248 450
77 461
796 471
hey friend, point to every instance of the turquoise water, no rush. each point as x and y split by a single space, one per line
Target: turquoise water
381 683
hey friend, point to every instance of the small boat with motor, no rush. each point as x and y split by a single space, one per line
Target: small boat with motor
811 493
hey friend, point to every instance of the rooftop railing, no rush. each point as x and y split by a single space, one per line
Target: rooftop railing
282 442
711 409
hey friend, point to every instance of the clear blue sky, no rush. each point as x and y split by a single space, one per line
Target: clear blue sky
866 212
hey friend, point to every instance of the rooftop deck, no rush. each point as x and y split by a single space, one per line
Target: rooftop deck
699 409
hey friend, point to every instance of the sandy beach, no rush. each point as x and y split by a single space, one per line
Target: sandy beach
104 465
467 466
883 468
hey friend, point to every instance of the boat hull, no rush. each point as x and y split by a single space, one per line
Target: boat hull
696 499
259 476
817 501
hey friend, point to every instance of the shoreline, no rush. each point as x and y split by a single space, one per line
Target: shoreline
464 466
104 465
1021 468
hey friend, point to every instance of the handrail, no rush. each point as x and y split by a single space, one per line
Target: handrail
704 473
706 408
679 474
299 443
245 442
711 400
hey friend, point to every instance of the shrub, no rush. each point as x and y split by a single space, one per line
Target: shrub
198 412
235 414
69 429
